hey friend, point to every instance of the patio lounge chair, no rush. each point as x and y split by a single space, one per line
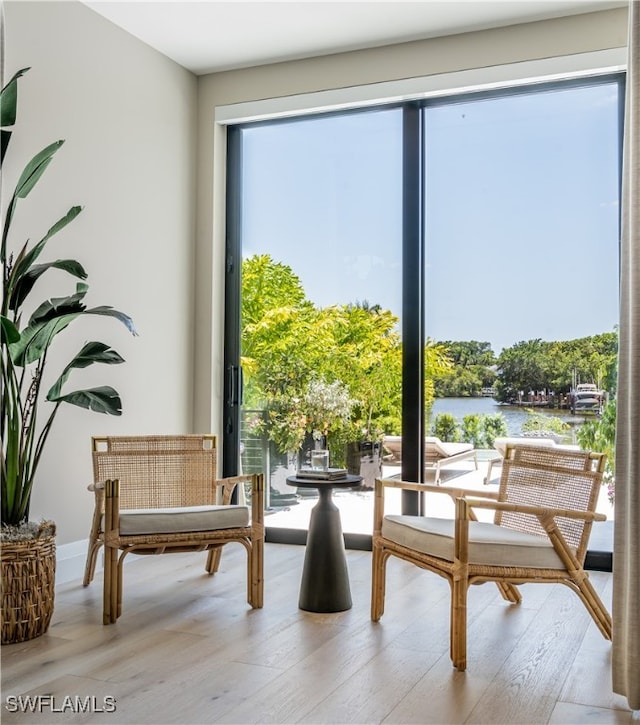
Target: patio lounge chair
438 453
392 449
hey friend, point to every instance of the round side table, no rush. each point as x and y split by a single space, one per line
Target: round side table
325 577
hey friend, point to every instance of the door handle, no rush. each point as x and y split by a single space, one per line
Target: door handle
236 385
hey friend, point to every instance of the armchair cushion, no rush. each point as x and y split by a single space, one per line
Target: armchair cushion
135 522
489 544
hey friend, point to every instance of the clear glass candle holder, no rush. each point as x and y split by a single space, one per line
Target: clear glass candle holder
320 460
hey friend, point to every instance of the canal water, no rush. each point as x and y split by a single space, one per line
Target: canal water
514 416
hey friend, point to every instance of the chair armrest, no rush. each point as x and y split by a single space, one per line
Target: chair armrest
229 484
257 497
98 490
535 510
453 491
257 506
111 509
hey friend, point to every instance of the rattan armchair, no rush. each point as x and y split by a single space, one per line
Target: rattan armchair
160 494
544 511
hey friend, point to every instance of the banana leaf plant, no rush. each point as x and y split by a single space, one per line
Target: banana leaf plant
26 343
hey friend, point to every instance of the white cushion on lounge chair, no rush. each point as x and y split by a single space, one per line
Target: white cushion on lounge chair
134 522
394 445
488 544
447 449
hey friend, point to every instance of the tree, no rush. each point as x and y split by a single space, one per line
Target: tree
522 367
367 356
472 368
288 343
556 366
600 435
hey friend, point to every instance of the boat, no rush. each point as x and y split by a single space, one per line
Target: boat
586 398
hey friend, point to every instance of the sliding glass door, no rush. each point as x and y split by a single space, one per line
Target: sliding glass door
319 234
521 267
444 268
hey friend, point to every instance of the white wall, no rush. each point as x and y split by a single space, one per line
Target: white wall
128 115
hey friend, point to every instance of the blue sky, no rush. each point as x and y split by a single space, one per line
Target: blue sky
521 212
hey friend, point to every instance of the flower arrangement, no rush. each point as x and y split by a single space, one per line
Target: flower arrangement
328 407
321 409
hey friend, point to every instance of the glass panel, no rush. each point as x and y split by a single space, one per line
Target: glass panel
522 270
321 299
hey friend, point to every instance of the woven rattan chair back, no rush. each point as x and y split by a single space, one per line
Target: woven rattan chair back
555 478
158 471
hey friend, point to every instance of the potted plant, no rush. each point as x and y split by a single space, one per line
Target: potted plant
28 330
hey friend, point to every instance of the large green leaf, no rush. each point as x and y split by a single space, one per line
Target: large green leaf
24 261
35 168
10 333
110 312
51 318
8 105
59 306
9 100
101 400
28 179
24 285
92 352
5 137
35 340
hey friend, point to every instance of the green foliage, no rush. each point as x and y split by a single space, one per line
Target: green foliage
538 365
481 430
600 435
24 349
495 426
471 369
524 366
287 343
446 427
472 430
542 424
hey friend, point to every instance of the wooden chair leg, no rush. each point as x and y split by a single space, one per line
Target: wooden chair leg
119 570
510 592
90 566
110 590
256 574
213 560
458 635
594 605
106 588
378 582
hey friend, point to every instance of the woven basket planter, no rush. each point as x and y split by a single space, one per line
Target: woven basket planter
28 585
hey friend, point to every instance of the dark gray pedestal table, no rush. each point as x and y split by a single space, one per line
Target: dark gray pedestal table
325 578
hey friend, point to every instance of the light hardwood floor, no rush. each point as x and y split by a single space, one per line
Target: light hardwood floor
188 649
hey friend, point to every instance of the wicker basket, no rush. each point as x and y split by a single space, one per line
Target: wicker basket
28 581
